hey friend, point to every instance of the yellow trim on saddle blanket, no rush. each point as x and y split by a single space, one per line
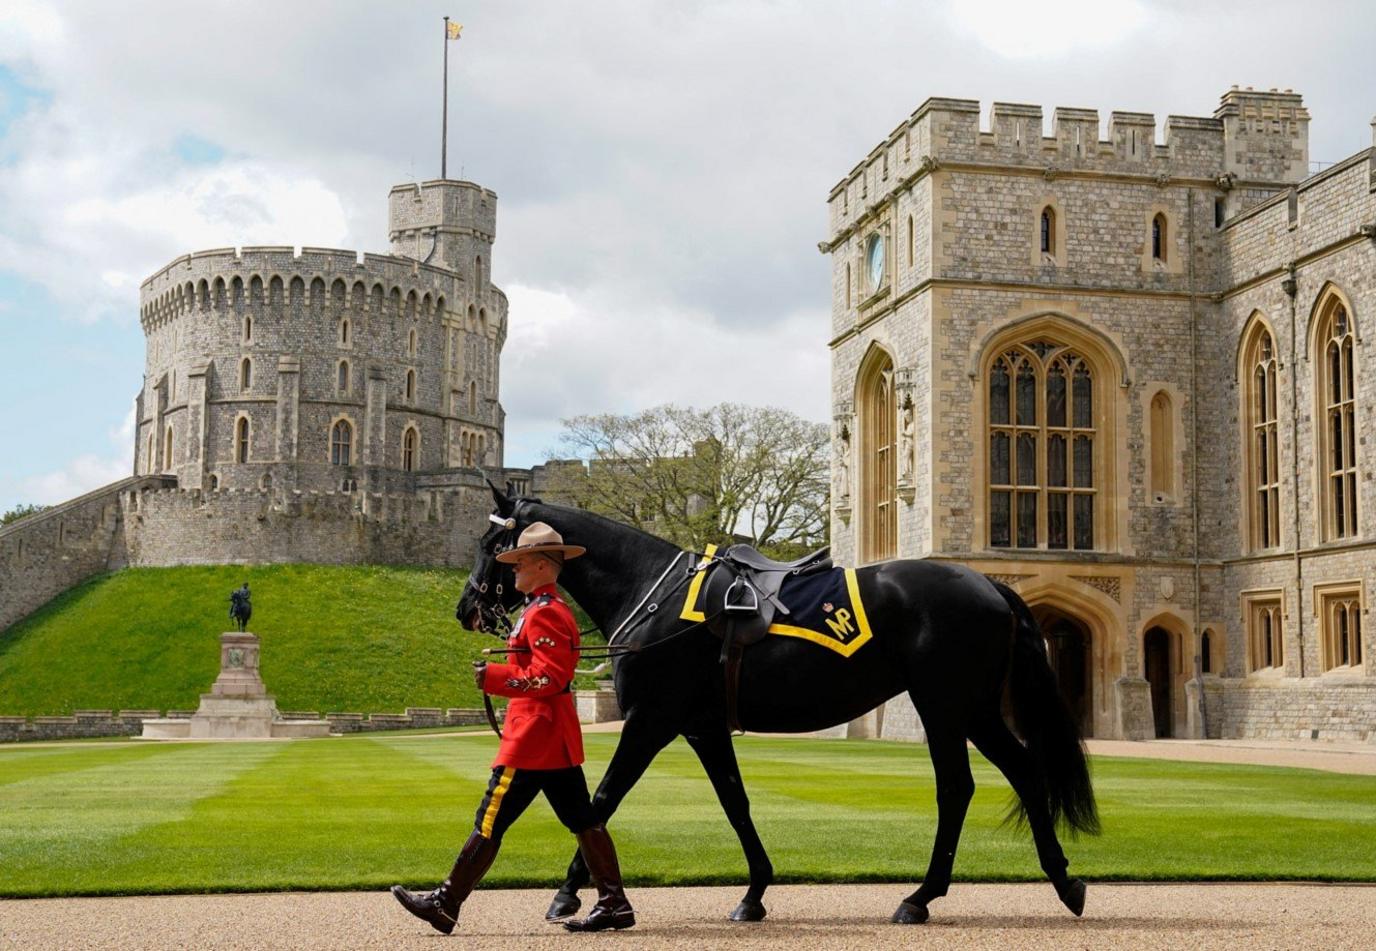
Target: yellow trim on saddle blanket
841 627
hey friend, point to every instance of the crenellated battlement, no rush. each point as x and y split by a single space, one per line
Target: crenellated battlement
1257 138
452 223
235 278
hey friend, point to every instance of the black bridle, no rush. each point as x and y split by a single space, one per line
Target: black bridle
495 613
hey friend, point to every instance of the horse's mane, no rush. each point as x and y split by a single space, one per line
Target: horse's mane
603 521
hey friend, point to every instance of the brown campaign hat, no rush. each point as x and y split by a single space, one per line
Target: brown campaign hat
539 537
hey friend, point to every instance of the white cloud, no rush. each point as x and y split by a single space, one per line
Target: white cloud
85 472
567 357
662 167
1047 29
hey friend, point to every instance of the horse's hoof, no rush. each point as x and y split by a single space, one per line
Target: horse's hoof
909 914
749 910
1073 895
563 906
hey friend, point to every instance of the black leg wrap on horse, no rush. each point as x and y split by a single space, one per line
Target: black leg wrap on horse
1073 895
749 910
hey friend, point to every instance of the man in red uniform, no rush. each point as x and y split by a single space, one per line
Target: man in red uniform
542 746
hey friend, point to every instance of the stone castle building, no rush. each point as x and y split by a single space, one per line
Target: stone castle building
1127 378
318 406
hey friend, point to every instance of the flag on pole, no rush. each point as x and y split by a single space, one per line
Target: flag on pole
454 29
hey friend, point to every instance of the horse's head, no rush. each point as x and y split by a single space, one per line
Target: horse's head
491 591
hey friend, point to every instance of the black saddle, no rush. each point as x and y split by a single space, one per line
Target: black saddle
741 600
747 557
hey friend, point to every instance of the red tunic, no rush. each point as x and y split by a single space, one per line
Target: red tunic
541 730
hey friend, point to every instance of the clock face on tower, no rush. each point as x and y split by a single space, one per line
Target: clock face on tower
874 261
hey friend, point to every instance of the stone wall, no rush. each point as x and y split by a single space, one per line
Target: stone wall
45 554
85 724
1313 708
437 526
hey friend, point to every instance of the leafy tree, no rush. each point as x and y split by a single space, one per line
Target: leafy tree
696 476
20 511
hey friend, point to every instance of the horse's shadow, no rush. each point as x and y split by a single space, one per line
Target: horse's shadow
718 931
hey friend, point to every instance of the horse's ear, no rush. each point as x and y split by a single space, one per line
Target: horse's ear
504 503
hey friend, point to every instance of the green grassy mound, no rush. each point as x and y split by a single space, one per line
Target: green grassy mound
335 638
367 811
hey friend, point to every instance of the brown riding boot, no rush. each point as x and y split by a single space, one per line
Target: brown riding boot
441 906
612 909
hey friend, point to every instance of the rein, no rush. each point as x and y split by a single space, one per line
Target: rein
629 623
494 616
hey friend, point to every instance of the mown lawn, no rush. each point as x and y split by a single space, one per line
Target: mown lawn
364 812
368 639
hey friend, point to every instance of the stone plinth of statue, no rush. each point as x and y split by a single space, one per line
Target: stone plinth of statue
238 706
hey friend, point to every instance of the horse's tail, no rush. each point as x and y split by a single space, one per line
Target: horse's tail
1047 727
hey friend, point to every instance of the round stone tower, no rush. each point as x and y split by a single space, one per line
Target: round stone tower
326 370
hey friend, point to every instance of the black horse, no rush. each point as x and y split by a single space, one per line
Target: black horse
952 638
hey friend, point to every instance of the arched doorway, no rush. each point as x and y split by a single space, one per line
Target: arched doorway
1069 649
1157 648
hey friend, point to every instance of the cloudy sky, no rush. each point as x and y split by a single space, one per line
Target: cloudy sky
661 168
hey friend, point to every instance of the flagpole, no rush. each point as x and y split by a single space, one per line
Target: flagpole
444 123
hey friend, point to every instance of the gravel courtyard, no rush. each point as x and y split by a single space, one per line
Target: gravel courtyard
801 916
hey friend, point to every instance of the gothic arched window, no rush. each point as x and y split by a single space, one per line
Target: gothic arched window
409 443
1338 433
245 374
1158 238
878 420
1048 231
410 386
1162 432
343 381
1042 438
241 434
341 443
1263 451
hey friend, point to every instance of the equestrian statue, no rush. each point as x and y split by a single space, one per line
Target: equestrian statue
240 607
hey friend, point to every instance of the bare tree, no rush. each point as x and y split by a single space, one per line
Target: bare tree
699 476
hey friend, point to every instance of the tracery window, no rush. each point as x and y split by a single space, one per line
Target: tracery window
408 450
1265 633
1263 453
1042 443
341 443
878 409
1338 453
1340 618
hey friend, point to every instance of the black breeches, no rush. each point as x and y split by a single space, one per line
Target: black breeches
511 790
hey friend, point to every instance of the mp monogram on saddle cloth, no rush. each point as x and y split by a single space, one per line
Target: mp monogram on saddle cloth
824 608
